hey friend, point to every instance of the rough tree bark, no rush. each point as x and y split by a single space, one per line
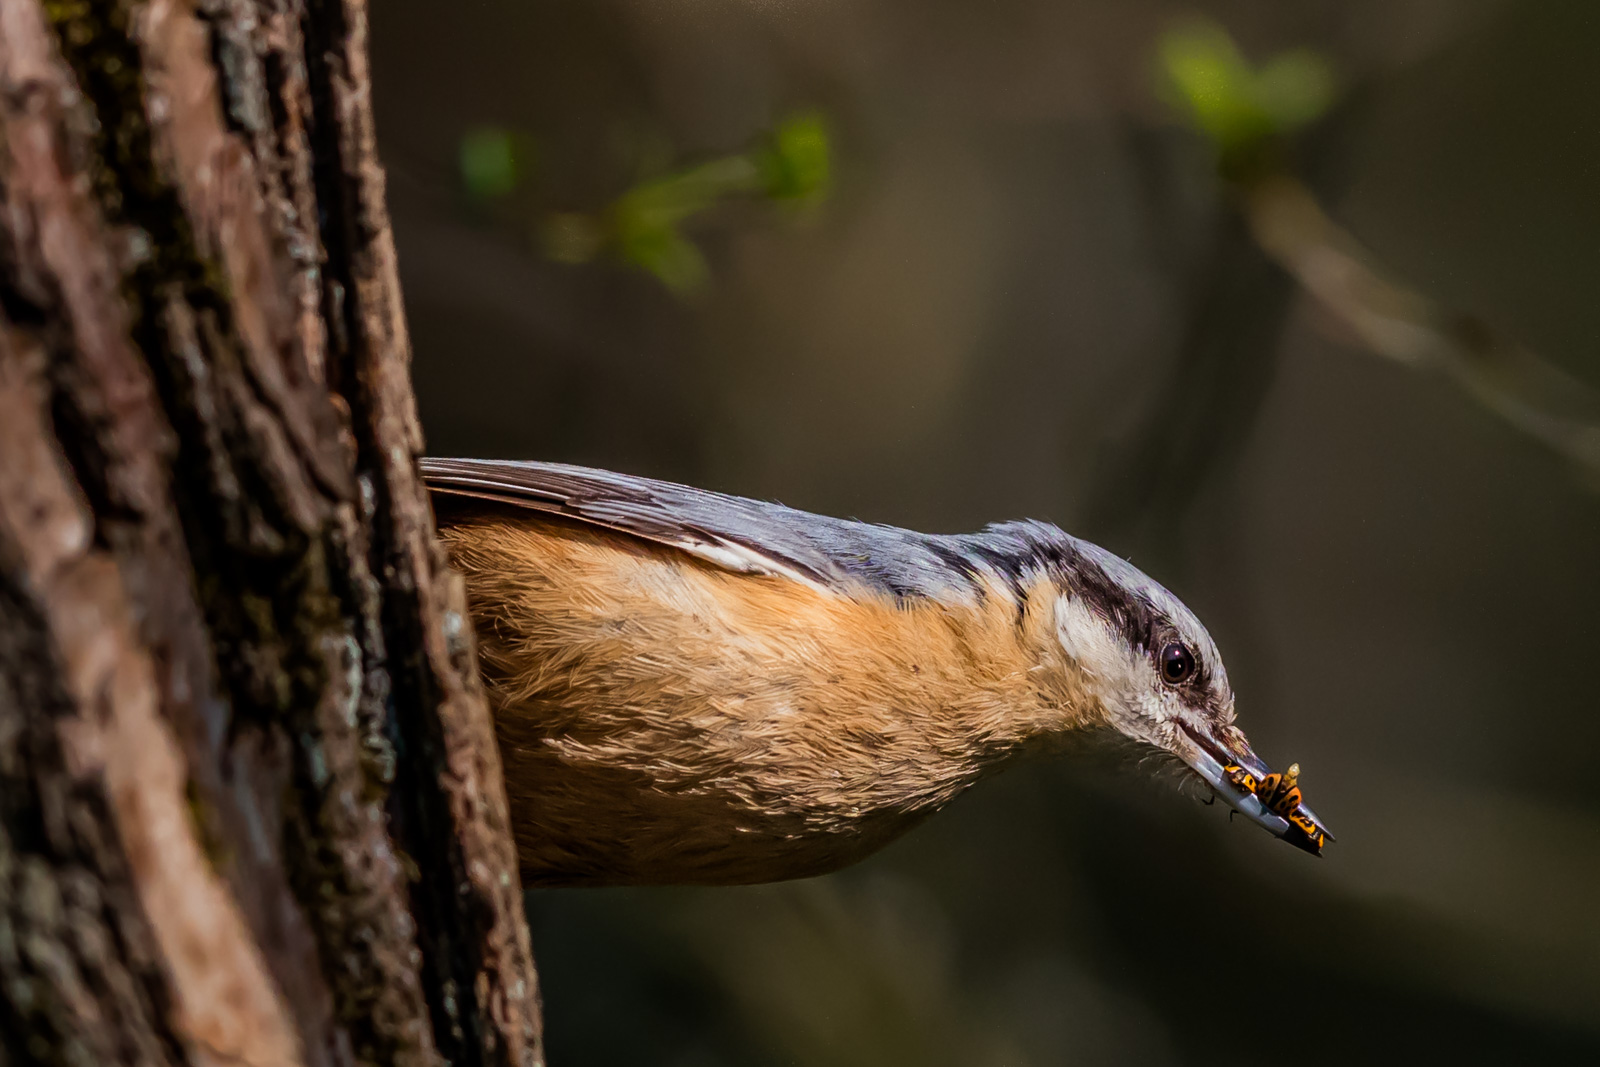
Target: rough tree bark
250 806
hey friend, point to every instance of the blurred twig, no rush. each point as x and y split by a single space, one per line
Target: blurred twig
1398 323
1249 113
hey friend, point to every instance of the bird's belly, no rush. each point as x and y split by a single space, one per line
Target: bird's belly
656 776
664 722
584 821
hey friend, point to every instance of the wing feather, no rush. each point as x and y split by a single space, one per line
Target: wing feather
730 532
749 536
735 533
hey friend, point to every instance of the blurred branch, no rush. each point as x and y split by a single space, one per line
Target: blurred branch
1248 114
1393 321
1270 127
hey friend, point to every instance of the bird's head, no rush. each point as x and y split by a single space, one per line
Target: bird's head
1154 675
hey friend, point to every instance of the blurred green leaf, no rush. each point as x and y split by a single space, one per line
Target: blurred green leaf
797 167
493 161
1234 104
668 255
670 200
1212 78
645 221
644 226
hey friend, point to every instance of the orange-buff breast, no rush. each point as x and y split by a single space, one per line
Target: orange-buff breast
665 721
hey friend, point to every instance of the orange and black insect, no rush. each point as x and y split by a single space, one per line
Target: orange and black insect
1239 778
1280 793
1314 834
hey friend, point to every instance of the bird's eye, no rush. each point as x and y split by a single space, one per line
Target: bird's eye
1177 664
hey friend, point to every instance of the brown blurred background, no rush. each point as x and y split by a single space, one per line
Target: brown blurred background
1026 293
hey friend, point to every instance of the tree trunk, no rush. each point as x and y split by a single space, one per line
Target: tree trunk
250 805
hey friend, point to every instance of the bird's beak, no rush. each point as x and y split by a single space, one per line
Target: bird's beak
1212 756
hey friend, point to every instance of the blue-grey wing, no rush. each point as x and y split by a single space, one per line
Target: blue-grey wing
738 534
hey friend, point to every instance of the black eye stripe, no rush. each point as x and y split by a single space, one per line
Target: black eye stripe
1143 624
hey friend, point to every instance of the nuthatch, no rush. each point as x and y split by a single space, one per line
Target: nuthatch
697 688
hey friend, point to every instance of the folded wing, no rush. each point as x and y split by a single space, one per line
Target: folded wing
735 533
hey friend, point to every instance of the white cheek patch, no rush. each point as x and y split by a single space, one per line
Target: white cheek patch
1087 638
1122 679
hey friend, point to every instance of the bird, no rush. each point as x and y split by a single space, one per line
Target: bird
694 688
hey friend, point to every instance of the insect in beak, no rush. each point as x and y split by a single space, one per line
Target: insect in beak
1270 800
